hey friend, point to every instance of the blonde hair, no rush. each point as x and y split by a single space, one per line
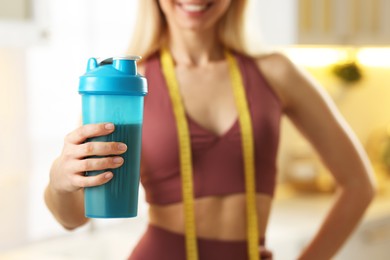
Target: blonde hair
150 32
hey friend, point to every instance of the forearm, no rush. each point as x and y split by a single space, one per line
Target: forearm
344 216
66 207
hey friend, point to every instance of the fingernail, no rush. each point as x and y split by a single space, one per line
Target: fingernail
109 126
117 160
108 175
122 147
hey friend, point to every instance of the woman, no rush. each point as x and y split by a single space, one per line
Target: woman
194 34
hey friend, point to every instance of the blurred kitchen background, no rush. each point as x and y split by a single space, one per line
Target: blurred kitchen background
44 46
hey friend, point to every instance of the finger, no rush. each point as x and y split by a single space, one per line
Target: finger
98 148
81 134
91 181
96 164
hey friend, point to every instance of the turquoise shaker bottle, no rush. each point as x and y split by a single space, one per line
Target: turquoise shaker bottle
113 91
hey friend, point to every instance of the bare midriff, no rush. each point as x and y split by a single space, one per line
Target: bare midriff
217 217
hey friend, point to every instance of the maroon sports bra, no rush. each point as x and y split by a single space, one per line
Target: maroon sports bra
217 160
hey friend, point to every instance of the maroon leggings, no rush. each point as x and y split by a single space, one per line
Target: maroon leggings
160 244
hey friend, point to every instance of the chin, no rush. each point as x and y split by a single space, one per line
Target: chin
195 27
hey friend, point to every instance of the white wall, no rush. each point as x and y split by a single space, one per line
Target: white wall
275 21
13 148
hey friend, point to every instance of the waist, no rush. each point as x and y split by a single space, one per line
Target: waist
216 217
158 243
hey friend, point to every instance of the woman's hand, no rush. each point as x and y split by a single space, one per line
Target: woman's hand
67 172
64 195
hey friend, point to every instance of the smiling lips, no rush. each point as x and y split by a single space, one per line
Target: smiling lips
194 7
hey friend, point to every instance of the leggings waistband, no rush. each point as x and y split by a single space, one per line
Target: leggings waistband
158 243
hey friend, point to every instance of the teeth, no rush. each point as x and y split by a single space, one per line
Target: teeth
194 7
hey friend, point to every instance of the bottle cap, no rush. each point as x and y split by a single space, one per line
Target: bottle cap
113 76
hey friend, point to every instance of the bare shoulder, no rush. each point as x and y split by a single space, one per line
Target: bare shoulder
274 64
285 77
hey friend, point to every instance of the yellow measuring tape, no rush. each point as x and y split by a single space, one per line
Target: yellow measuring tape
185 154
168 68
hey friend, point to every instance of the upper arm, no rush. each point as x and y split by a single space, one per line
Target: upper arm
314 114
